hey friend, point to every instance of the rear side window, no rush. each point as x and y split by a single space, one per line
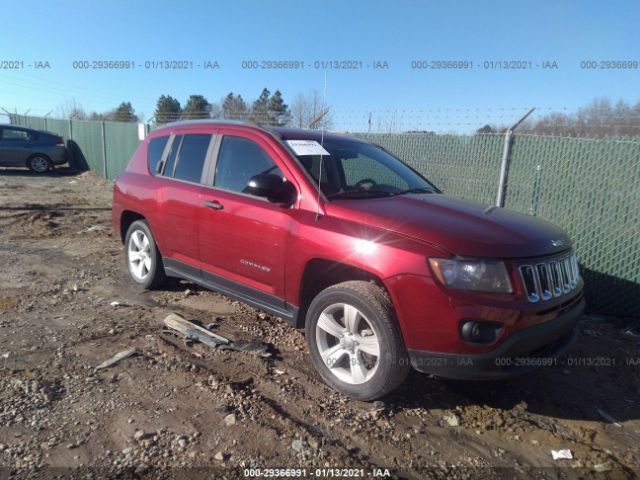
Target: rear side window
14 134
154 153
167 169
239 160
191 158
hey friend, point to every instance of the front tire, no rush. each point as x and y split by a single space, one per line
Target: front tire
144 262
39 163
354 340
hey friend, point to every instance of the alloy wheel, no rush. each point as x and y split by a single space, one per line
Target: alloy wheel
347 343
139 255
39 164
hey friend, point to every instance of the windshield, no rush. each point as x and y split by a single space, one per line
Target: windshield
355 169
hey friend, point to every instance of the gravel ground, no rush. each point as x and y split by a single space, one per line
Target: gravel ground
187 411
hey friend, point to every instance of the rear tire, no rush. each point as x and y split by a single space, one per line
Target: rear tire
354 340
143 259
39 163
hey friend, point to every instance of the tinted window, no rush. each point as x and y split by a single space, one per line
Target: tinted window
167 170
193 152
154 152
239 160
12 134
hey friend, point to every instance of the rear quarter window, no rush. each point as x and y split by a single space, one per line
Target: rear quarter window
154 153
192 156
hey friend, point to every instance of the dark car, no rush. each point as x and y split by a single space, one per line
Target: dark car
380 268
25 147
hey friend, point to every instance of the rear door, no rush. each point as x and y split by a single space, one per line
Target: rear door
243 238
14 146
180 178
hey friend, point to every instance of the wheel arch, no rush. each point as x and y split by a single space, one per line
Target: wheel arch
126 219
320 273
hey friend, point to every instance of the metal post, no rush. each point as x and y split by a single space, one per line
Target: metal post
70 129
104 151
504 169
46 121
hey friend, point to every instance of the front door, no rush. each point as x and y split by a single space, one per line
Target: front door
244 238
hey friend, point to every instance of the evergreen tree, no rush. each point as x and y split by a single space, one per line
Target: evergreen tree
125 113
260 108
168 109
234 107
278 110
197 107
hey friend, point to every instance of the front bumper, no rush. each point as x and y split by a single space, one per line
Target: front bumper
521 352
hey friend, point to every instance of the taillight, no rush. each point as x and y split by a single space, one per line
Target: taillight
60 142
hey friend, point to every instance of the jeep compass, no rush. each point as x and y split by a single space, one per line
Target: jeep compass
382 270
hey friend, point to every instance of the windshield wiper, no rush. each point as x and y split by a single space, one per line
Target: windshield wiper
360 194
416 190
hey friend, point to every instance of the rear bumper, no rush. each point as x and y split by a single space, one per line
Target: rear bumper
521 352
58 155
59 161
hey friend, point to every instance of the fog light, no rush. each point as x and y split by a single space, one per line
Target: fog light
479 332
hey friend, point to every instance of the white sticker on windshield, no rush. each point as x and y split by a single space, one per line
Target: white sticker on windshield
307 147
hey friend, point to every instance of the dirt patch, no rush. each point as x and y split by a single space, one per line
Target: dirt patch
178 410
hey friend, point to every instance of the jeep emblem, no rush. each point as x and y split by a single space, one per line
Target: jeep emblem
557 243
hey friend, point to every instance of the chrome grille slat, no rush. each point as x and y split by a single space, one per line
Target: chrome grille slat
549 278
555 278
531 285
542 270
573 273
566 288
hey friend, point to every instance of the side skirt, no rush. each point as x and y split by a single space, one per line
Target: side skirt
260 300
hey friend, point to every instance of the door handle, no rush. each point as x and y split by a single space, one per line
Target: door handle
216 205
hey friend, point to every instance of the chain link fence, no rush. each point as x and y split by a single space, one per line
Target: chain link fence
589 187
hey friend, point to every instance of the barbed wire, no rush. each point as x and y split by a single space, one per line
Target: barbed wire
399 122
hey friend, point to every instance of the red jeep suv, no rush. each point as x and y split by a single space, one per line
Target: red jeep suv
339 237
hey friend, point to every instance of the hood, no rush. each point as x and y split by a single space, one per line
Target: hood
458 226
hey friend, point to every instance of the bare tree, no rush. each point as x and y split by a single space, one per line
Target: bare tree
307 111
598 119
72 109
215 110
388 122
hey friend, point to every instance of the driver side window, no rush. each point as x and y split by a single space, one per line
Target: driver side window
239 160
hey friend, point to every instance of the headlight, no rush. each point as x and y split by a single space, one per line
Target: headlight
471 274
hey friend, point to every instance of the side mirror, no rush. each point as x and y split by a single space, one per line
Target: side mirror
272 187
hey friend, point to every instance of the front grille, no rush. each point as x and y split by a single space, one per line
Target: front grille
550 277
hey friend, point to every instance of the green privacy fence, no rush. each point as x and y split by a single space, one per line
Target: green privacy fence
591 188
105 147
